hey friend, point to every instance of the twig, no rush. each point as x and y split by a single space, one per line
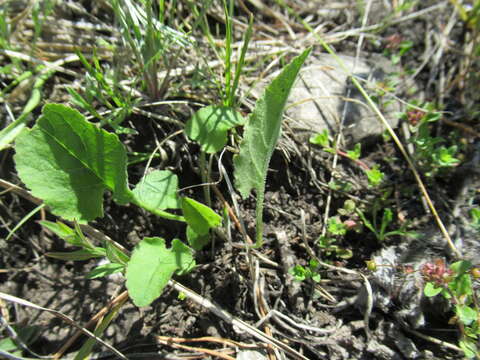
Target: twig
215 353
434 340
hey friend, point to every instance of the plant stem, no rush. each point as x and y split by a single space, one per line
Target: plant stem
160 213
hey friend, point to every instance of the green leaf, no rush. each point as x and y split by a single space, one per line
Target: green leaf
463 285
158 190
430 290
320 139
209 126
475 214
344 253
260 139
356 152
78 255
263 130
196 241
152 265
461 267
375 176
298 272
466 314
69 163
64 232
105 270
199 217
115 255
469 348
336 227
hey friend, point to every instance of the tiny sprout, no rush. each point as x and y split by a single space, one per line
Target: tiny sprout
371 265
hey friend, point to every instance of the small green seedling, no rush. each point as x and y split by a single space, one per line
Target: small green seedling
327 243
301 273
375 176
430 154
102 85
380 230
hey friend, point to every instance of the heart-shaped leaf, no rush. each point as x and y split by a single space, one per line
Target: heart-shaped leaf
152 265
209 126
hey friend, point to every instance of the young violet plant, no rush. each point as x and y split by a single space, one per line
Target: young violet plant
69 163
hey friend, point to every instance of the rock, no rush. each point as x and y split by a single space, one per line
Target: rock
323 92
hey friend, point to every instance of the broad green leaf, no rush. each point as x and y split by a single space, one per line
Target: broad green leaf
199 217
461 267
263 130
260 138
152 265
105 270
466 314
196 241
69 163
84 254
462 285
430 290
209 126
158 190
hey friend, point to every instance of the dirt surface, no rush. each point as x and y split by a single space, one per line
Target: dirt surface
324 320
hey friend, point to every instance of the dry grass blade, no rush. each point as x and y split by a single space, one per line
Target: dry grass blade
98 316
64 317
229 318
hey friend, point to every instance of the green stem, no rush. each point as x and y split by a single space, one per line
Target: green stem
259 217
160 213
205 174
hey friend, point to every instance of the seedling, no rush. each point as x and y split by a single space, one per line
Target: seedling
375 176
301 273
380 229
327 243
102 85
429 154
